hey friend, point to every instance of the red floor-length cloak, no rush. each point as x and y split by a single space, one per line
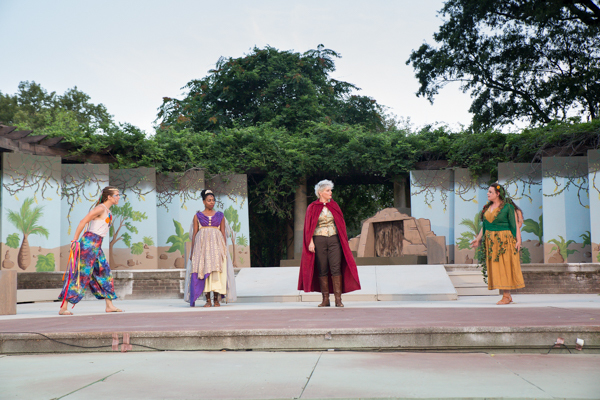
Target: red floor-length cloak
308 281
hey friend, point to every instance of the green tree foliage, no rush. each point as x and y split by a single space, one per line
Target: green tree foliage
474 227
148 241
587 239
45 263
562 247
124 216
12 240
32 107
525 256
178 240
360 201
233 219
137 248
520 59
242 240
284 88
536 228
25 220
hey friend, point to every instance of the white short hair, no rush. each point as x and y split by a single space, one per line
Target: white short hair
319 187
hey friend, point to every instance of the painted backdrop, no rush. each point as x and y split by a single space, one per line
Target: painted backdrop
42 202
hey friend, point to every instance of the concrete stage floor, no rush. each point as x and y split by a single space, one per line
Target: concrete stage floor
531 324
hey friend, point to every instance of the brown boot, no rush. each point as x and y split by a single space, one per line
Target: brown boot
337 290
324 281
216 299
208 303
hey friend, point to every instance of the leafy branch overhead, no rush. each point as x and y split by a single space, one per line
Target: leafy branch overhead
284 88
533 60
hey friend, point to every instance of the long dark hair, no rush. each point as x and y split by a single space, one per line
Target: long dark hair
504 198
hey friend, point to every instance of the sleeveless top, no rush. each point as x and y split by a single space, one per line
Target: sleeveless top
325 224
100 227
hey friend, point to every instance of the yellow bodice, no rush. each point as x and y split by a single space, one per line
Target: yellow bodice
325 224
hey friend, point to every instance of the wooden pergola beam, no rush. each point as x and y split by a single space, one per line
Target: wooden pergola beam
17 134
32 139
51 141
4 130
42 145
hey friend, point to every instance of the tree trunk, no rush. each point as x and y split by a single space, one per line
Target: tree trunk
111 257
233 247
24 258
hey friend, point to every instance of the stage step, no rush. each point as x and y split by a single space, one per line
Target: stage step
37 295
469 282
378 283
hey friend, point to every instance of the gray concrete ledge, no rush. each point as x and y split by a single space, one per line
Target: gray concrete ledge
471 339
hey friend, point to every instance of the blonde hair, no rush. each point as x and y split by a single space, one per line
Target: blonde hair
107 191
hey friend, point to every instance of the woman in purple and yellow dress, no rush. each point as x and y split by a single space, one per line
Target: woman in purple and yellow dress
87 265
211 269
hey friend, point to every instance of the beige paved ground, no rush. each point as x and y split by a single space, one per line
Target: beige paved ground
305 375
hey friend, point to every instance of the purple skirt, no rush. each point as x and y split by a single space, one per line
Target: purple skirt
196 288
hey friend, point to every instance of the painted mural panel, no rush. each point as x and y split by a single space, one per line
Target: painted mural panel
232 199
523 183
566 208
82 186
133 236
432 198
178 199
470 195
594 188
31 211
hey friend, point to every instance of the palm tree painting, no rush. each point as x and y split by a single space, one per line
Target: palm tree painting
26 221
178 240
474 226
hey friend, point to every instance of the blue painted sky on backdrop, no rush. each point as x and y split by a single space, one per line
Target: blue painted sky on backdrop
129 54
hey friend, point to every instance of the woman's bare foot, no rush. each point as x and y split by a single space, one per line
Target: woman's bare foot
110 307
64 312
505 300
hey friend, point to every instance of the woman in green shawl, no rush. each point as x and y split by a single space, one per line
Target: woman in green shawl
501 236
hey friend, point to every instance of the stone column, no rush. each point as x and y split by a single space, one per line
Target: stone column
402 194
8 292
300 204
290 241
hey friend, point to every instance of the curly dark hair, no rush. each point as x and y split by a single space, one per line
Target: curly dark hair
504 198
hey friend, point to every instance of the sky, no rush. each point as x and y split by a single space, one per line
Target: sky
129 54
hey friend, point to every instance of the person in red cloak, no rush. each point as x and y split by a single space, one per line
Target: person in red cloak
327 263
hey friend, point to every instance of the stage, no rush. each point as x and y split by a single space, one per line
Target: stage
471 323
